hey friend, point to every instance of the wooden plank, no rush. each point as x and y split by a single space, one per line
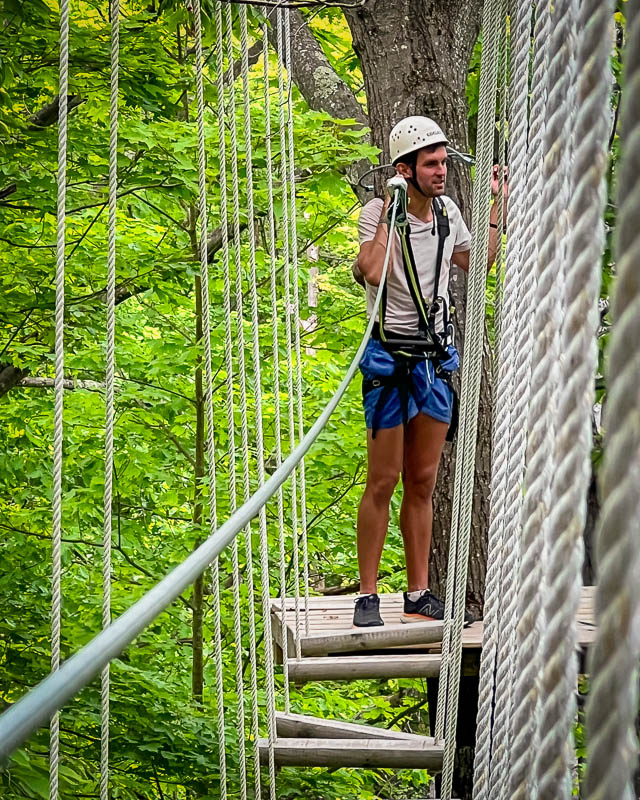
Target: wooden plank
304 726
342 668
354 753
356 639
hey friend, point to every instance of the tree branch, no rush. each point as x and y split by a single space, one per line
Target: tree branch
48 114
69 384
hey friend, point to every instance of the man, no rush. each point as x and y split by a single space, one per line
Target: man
407 392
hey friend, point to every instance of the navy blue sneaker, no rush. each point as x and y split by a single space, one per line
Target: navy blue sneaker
427 607
367 612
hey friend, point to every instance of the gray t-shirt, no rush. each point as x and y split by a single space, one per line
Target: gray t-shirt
401 316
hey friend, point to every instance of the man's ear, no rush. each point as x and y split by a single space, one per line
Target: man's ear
404 170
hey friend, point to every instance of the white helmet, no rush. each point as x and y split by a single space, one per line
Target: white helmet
412 133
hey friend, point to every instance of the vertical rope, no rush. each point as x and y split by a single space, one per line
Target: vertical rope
56 531
257 381
109 386
471 377
287 245
573 442
505 664
526 701
206 333
553 757
242 382
276 362
612 746
228 358
295 280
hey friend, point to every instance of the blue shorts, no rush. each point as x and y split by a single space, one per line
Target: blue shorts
431 395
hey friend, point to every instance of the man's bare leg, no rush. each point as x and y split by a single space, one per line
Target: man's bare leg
424 440
383 470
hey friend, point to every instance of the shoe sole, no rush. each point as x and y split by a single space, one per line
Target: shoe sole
370 625
409 618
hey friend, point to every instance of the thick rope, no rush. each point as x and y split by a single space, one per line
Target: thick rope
56 531
554 755
612 745
228 359
257 390
526 701
276 361
471 378
287 245
109 389
509 559
452 576
502 409
211 453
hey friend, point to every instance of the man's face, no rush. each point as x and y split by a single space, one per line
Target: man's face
431 170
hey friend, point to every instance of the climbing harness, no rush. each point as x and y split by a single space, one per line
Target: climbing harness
428 344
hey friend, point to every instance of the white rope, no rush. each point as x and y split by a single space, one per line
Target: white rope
271 237
257 381
509 558
228 358
554 754
211 453
525 713
56 531
471 377
284 176
612 745
109 388
295 280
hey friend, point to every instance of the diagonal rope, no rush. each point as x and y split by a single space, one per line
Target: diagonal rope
211 454
271 237
109 388
228 360
612 745
56 531
526 700
257 389
471 378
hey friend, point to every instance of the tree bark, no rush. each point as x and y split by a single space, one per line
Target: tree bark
414 57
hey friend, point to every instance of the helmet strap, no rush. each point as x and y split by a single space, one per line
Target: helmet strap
413 180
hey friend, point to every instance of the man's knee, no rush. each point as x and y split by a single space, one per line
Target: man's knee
380 486
419 484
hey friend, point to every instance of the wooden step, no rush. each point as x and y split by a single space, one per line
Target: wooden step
351 668
304 726
425 754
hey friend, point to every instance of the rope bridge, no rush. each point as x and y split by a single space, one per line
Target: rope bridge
546 360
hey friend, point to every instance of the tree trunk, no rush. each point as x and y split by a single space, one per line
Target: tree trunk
414 57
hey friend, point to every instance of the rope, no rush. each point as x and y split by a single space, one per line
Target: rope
613 698
262 518
509 559
471 377
525 713
211 454
554 754
56 532
228 359
295 279
503 381
109 388
284 176
276 362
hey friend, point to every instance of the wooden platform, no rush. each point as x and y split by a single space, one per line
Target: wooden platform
331 627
